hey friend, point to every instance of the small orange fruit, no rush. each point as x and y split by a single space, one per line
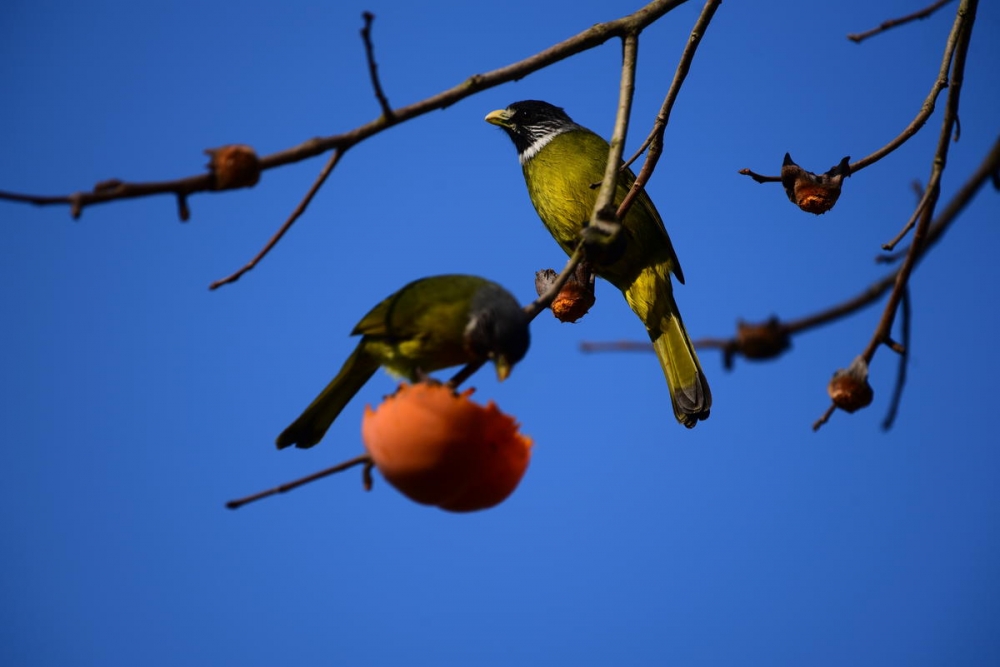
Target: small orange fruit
439 448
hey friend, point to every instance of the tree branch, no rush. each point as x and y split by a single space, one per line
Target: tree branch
926 109
775 331
364 460
583 41
962 17
859 37
594 36
963 26
299 210
904 357
600 218
654 142
366 37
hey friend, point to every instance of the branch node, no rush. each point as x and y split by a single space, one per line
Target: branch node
898 348
75 205
183 212
366 475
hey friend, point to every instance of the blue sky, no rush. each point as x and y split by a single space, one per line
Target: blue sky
136 402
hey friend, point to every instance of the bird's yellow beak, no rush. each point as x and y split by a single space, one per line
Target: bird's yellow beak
498 117
503 368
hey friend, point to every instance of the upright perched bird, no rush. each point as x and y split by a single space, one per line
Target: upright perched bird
429 324
563 164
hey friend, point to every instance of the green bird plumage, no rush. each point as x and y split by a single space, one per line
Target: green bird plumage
429 324
563 163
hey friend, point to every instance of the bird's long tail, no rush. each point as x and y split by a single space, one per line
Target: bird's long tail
651 298
312 424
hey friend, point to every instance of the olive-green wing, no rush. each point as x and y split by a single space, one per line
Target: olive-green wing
643 206
435 303
643 212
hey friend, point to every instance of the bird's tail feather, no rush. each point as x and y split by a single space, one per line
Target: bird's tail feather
651 298
313 423
689 392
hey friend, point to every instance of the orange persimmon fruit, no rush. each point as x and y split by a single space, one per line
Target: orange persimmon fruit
439 448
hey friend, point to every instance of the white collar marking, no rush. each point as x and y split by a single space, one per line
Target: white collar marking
540 143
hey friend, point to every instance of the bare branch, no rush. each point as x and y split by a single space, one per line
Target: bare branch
904 357
732 346
364 460
113 190
962 16
654 142
760 178
583 41
859 37
603 211
366 37
824 418
911 223
531 310
926 109
602 224
627 27
299 210
963 27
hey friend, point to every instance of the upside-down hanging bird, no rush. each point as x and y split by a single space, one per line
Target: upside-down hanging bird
429 324
563 166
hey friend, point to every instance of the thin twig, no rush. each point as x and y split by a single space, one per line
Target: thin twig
531 310
583 41
824 418
604 199
366 37
654 141
926 109
904 357
760 178
911 223
543 301
859 37
364 459
299 210
114 190
616 346
963 31
588 39
965 194
603 202
605 196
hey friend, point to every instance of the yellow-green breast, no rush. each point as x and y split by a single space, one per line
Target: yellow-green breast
563 179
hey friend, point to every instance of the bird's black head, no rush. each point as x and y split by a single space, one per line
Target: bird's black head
531 124
498 328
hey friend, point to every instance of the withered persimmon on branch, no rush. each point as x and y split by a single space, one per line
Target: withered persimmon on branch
570 293
337 144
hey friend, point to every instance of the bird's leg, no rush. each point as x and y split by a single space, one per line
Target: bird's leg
419 375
